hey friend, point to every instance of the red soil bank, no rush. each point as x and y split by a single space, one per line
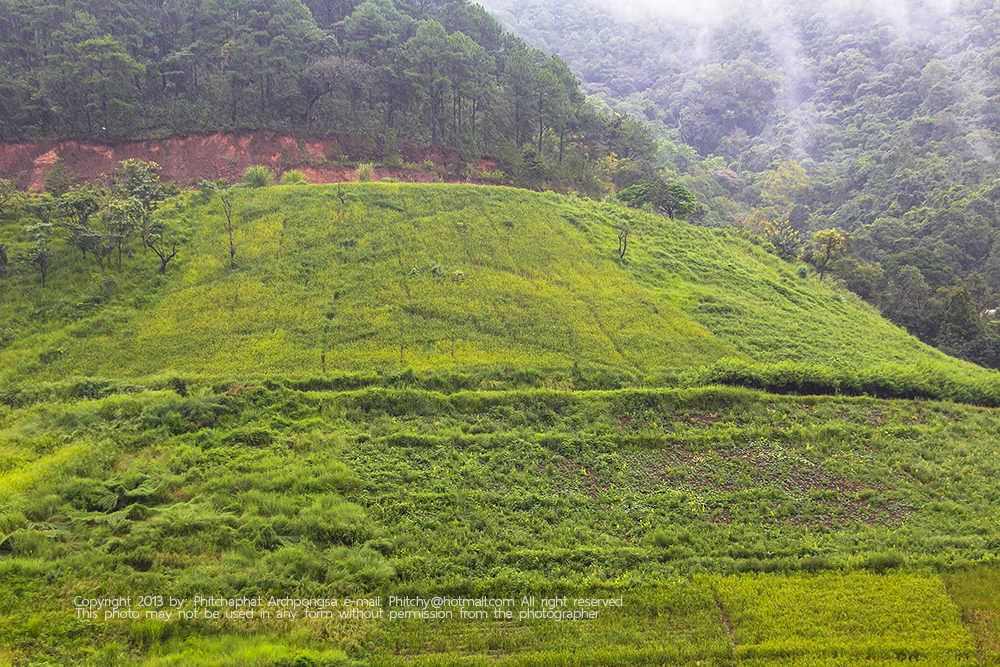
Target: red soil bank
186 160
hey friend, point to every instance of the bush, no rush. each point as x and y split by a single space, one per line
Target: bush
293 178
496 177
258 176
365 172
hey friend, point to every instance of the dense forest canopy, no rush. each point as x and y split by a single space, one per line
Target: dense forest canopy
878 120
440 72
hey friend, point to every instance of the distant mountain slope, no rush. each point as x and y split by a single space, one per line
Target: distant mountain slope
880 120
387 277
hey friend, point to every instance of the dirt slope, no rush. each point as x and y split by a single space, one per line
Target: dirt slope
186 160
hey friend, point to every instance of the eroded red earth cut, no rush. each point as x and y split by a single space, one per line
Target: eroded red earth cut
187 160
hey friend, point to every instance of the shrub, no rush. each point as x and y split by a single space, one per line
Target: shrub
497 177
365 172
293 178
258 176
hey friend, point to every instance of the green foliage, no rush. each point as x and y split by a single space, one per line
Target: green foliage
293 178
494 177
833 244
59 180
635 196
364 172
876 144
674 200
9 194
516 438
39 254
785 240
258 177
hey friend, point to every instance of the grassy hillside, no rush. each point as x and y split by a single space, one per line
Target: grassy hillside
508 410
383 278
817 502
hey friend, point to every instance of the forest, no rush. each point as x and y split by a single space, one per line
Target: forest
444 73
789 119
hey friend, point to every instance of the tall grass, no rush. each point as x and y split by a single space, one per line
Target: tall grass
234 490
258 176
364 172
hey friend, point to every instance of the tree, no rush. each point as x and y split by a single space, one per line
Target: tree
122 219
907 295
623 229
960 323
42 207
59 180
629 138
673 199
326 75
428 50
551 96
100 244
158 244
833 244
9 193
109 76
227 209
520 79
982 296
140 181
781 186
471 72
636 195
79 204
373 30
784 238
39 253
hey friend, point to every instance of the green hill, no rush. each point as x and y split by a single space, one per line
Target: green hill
508 411
383 278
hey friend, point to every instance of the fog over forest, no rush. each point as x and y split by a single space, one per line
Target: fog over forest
881 120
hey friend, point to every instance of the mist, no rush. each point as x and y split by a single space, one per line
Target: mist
902 14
